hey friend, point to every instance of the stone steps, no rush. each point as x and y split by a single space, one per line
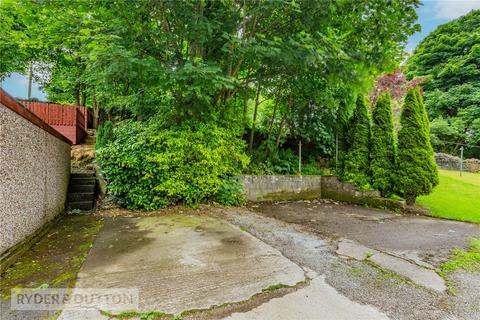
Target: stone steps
81 191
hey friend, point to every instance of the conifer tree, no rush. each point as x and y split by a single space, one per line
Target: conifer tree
383 152
357 162
343 139
417 172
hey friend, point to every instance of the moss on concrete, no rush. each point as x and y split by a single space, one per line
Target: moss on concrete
56 258
374 202
311 194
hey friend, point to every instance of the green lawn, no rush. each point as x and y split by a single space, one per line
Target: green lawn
456 197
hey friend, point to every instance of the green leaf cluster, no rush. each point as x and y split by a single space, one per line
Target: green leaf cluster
231 192
150 167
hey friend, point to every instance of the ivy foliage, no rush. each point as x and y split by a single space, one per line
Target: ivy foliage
417 172
357 163
151 167
383 150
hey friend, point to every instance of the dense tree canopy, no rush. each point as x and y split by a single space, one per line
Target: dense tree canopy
449 59
271 72
194 58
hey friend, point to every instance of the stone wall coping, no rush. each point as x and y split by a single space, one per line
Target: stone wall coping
12 104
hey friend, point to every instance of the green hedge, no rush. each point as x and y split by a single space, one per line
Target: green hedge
150 167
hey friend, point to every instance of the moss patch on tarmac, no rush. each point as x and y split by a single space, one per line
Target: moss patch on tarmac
465 260
55 260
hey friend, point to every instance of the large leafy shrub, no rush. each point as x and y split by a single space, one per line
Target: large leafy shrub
231 192
383 153
151 167
417 171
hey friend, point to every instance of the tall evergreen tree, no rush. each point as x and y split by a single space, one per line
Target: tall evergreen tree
343 139
357 161
417 171
383 153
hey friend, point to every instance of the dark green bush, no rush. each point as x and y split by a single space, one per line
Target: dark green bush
150 167
357 162
283 162
231 192
383 151
417 172
104 134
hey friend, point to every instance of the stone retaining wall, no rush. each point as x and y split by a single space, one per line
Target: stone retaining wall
449 162
34 171
276 188
265 188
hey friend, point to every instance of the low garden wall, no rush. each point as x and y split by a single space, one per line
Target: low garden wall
449 162
265 188
34 171
276 188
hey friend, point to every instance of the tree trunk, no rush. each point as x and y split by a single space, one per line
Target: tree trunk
255 111
77 94
280 129
245 107
410 199
272 120
96 111
30 77
83 99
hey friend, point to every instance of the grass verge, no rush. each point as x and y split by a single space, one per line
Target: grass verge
456 197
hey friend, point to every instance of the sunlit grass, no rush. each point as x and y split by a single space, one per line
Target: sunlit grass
456 197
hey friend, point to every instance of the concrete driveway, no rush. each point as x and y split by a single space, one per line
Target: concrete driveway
289 260
385 260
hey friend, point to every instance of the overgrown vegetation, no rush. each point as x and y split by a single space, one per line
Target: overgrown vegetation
150 167
272 73
448 61
230 192
104 134
55 260
465 260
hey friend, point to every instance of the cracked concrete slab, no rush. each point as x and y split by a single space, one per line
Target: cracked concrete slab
419 275
416 273
318 300
422 239
181 262
351 249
